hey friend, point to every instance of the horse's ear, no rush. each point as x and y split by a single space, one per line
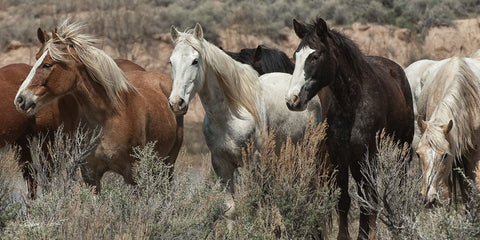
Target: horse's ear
54 33
257 56
174 33
47 37
421 124
198 31
40 36
300 28
321 28
448 127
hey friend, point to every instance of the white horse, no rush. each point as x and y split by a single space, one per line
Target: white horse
449 119
416 73
224 86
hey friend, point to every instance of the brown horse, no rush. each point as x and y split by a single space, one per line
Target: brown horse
368 94
130 107
15 127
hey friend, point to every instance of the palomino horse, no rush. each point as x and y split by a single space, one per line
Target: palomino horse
264 59
200 67
15 127
450 100
368 94
130 107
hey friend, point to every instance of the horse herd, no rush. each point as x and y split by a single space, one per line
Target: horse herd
243 95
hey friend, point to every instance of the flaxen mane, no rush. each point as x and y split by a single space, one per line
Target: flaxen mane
101 67
238 81
459 101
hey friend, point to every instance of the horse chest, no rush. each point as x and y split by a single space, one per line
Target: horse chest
227 137
349 125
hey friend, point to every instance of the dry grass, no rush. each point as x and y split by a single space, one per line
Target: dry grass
12 187
288 196
401 212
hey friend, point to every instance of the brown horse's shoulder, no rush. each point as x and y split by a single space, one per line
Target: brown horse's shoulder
151 80
16 72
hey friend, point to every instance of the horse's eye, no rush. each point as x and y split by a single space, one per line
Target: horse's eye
46 65
195 61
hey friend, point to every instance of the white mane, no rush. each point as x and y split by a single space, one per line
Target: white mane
101 67
238 81
456 91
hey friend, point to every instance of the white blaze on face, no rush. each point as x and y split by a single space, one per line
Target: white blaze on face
184 73
298 76
431 174
30 76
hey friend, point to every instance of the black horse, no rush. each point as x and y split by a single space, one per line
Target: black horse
367 94
264 59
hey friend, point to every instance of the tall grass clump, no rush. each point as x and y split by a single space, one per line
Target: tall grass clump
288 196
11 194
401 212
157 207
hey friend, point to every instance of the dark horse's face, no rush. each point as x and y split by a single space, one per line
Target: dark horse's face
315 64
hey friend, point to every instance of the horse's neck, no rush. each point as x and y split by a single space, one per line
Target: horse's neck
345 89
94 105
213 99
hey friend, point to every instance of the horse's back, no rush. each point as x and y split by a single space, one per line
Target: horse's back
128 66
415 73
12 123
396 94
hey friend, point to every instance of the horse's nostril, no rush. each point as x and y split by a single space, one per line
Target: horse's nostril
19 100
181 102
294 99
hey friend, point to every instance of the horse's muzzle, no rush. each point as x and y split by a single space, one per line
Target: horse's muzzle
294 103
178 105
431 202
26 104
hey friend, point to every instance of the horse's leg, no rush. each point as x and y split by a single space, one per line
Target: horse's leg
343 205
92 172
172 156
367 228
25 160
468 168
225 170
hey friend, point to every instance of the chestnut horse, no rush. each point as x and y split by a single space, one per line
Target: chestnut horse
368 94
130 107
15 127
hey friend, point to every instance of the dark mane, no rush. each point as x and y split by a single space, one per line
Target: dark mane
339 44
274 60
266 61
244 56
